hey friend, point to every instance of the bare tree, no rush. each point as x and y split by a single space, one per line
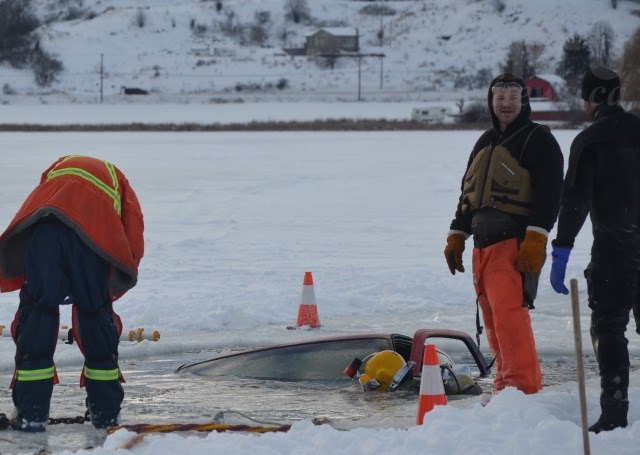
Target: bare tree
297 11
601 40
630 72
536 49
518 60
141 18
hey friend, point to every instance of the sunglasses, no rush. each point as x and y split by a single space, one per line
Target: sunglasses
505 85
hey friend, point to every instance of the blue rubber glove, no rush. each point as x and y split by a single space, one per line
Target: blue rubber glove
560 256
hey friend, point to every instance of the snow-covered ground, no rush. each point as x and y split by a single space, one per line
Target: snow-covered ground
193 47
88 114
233 220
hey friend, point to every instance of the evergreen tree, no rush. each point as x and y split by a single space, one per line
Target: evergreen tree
575 61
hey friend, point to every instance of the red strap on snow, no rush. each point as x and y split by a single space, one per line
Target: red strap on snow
118 322
14 326
75 328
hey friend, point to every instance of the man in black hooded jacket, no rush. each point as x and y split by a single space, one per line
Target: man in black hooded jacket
603 179
509 203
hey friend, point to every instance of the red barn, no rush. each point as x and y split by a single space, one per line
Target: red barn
541 89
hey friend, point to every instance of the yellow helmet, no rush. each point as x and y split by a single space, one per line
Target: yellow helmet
384 371
458 380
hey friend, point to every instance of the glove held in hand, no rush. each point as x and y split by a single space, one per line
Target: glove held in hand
453 252
532 252
560 257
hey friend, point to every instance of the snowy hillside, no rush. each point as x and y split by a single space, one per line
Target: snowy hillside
208 49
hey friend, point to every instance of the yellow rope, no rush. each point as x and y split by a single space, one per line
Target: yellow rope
205 427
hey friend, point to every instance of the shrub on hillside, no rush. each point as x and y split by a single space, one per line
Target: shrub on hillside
257 34
72 13
20 45
377 10
45 68
17 24
475 113
253 87
141 18
297 11
8 90
479 80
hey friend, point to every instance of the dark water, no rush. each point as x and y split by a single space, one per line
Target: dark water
155 394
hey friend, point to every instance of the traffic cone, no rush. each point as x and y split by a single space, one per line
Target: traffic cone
308 310
431 387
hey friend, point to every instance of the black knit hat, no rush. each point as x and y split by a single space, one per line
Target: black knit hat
601 85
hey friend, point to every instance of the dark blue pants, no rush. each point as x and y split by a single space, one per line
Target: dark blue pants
59 265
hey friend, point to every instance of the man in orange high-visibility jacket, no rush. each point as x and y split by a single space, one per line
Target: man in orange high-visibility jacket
78 238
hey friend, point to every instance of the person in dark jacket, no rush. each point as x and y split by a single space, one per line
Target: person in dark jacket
602 179
509 203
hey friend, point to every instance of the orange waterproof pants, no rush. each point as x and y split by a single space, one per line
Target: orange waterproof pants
498 286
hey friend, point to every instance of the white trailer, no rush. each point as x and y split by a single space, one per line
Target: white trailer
434 114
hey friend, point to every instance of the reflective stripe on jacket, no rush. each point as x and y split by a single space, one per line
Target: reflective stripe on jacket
111 189
95 199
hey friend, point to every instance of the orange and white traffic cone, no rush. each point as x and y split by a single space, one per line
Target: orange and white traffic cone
308 310
431 387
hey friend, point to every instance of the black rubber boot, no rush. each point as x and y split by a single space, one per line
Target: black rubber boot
614 415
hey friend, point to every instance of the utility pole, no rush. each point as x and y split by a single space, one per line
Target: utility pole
101 77
381 71
359 56
359 72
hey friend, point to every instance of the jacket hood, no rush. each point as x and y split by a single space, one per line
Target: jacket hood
525 111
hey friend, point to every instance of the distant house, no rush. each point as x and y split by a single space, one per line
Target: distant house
332 40
546 103
544 88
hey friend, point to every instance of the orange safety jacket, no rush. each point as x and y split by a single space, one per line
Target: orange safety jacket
94 198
